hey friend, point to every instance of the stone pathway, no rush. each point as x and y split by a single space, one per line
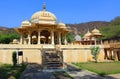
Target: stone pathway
113 76
84 74
34 71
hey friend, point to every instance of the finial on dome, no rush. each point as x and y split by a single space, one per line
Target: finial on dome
88 30
44 6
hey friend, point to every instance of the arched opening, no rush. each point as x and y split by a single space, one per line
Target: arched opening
34 37
25 36
45 37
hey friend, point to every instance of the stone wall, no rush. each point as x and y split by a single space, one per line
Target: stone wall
33 53
80 53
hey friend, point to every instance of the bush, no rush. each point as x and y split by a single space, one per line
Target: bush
95 52
14 58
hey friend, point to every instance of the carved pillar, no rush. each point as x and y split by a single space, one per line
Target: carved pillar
21 39
101 42
115 54
106 55
59 38
39 37
53 37
65 40
29 38
95 41
110 54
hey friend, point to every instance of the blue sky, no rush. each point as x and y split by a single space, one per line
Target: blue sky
13 12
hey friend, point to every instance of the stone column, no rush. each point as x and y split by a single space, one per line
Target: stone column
115 54
110 54
59 38
101 42
29 39
39 37
95 41
53 37
65 40
21 39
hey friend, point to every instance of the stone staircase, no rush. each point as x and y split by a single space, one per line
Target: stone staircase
52 59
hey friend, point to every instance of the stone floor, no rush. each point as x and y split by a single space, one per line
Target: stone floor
34 71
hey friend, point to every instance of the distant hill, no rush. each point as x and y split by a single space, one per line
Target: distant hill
82 28
110 30
6 30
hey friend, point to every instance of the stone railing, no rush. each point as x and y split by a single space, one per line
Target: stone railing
75 47
19 46
58 47
115 45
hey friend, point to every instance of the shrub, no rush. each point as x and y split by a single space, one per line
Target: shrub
14 58
95 52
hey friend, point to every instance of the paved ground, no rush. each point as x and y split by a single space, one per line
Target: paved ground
114 76
84 74
34 71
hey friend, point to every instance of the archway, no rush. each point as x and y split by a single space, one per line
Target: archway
34 37
45 37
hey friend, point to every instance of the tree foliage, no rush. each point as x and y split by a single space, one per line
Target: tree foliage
110 31
115 21
70 37
7 38
95 52
14 58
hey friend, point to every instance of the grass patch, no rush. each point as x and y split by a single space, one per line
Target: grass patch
7 71
61 75
102 69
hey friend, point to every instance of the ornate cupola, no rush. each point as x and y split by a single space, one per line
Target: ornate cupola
43 17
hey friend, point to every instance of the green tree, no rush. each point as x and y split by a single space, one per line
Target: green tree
95 52
116 21
14 58
7 38
70 37
14 36
110 31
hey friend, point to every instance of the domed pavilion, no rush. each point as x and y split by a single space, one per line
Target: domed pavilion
43 41
43 28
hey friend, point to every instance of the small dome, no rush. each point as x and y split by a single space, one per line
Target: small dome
88 34
62 25
15 41
77 38
43 37
95 31
25 23
34 37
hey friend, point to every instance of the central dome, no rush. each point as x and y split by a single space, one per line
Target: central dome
43 16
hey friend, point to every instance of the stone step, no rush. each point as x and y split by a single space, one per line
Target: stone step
54 67
54 63
52 59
